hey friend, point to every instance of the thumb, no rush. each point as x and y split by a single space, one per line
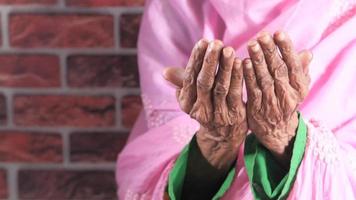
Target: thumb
174 75
305 57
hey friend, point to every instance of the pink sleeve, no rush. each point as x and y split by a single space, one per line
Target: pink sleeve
328 170
144 164
168 32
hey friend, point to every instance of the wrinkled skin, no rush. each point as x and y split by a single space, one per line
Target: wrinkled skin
214 100
276 84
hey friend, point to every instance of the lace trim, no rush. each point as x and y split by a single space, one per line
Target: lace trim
322 143
182 134
130 195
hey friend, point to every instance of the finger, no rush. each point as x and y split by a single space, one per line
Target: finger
234 96
206 76
278 69
264 78
203 108
275 64
174 75
221 88
305 57
254 93
188 93
295 69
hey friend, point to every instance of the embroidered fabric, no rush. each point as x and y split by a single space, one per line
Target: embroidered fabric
322 142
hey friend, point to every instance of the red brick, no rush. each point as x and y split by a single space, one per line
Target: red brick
65 184
96 146
130 108
3 115
100 3
45 2
103 71
29 71
56 30
17 146
129 28
56 110
3 184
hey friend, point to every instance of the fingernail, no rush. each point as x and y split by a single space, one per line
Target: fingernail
227 51
262 33
217 42
281 36
247 63
251 43
265 38
201 42
255 47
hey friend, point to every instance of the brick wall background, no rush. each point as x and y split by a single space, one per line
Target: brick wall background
68 95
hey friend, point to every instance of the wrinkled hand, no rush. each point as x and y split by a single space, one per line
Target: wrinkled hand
276 84
214 100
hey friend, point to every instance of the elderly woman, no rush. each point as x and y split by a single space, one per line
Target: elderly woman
191 141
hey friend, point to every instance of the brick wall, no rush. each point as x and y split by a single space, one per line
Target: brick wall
69 94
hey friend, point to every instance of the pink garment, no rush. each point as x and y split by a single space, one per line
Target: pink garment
168 32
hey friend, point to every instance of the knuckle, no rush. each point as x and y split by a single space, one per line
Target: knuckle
237 76
210 59
270 51
296 70
281 70
220 89
234 94
256 94
250 77
286 48
258 59
189 79
203 85
266 82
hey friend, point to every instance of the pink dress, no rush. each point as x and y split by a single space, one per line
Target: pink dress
168 32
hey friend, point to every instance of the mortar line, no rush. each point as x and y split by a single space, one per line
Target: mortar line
66 147
9 108
61 3
63 70
5 28
117 30
12 176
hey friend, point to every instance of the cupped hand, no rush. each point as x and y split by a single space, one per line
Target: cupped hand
210 91
277 81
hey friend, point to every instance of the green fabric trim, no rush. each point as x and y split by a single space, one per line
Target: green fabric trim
177 175
265 173
226 185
